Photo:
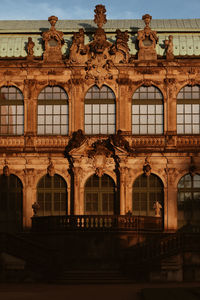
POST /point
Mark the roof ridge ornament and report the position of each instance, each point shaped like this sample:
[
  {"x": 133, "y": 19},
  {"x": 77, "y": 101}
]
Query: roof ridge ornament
[
  {"x": 53, "y": 42},
  {"x": 147, "y": 39},
  {"x": 53, "y": 20},
  {"x": 100, "y": 16}
]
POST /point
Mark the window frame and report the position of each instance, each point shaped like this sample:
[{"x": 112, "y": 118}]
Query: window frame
[
  {"x": 145, "y": 116},
  {"x": 147, "y": 190},
  {"x": 52, "y": 190},
  {"x": 100, "y": 191},
  {"x": 188, "y": 109},
  {"x": 100, "y": 111},
  {"x": 49, "y": 122},
  {"x": 14, "y": 111}
]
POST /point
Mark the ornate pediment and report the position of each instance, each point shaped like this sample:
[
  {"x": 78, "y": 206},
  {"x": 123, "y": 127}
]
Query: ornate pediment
[
  {"x": 147, "y": 40},
  {"x": 54, "y": 41}
]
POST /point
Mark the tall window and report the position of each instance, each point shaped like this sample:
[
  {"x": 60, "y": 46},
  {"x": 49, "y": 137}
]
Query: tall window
[
  {"x": 53, "y": 114},
  {"x": 11, "y": 201},
  {"x": 147, "y": 111},
  {"x": 100, "y": 111},
  {"x": 188, "y": 110},
  {"x": 189, "y": 200},
  {"x": 100, "y": 195},
  {"x": 146, "y": 191},
  {"x": 52, "y": 196},
  {"x": 11, "y": 111}
]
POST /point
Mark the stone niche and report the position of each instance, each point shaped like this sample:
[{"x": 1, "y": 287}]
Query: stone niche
[
  {"x": 54, "y": 41},
  {"x": 147, "y": 40}
]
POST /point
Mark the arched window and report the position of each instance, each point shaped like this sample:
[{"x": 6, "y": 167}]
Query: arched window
[
  {"x": 146, "y": 191},
  {"x": 11, "y": 111},
  {"x": 11, "y": 202},
  {"x": 100, "y": 195},
  {"x": 52, "y": 196},
  {"x": 100, "y": 111},
  {"x": 188, "y": 110},
  {"x": 189, "y": 200},
  {"x": 147, "y": 111},
  {"x": 53, "y": 114}
]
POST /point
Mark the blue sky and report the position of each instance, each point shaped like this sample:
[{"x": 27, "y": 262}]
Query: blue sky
[{"x": 83, "y": 9}]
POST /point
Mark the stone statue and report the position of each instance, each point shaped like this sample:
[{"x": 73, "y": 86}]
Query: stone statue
[
  {"x": 169, "y": 48},
  {"x": 30, "y": 46},
  {"x": 147, "y": 167},
  {"x": 6, "y": 171},
  {"x": 157, "y": 207},
  {"x": 35, "y": 208}
]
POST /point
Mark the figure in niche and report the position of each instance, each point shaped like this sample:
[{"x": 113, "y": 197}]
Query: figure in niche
[
  {"x": 30, "y": 46},
  {"x": 169, "y": 48}
]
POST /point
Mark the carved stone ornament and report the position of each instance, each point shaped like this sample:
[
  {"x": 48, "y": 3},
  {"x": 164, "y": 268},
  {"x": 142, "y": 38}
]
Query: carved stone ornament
[
  {"x": 29, "y": 48},
  {"x": 147, "y": 167},
  {"x": 147, "y": 40},
  {"x": 99, "y": 55},
  {"x": 35, "y": 208},
  {"x": 51, "y": 169},
  {"x": 6, "y": 171},
  {"x": 192, "y": 168},
  {"x": 53, "y": 42},
  {"x": 99, "y": 153},
  {"x": 119, "y": 141},
  {"x": 157, "y": 207},
  {"x": 169, "y": 48},
  {"x": 76, "y": 141}
]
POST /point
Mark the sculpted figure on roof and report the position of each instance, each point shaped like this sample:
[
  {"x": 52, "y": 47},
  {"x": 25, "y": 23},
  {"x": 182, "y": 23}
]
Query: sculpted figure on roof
[
  {"x": 78, "y": 49},
  {"x": 30, "y": 46},
  {"x": 147, "y": 39},
  {"x": 120, "y": 49},
  {"x": 169, "y": 48},
  {"x": 53, "y": 42}
]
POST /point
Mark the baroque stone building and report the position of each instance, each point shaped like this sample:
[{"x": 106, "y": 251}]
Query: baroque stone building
[{"x": 100, "y": 125}]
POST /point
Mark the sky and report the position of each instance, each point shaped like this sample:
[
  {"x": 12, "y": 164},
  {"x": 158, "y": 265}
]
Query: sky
[{"x": 84, "y": 9}]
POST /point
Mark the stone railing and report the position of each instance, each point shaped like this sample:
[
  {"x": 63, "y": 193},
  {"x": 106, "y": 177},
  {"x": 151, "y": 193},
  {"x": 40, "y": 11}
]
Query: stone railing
[
  {"x": 164, "y": 247},
  {"x": 96, "y": 223},
  {"x": 35, "y": 255},
  {"x": 160, "y": 142}
]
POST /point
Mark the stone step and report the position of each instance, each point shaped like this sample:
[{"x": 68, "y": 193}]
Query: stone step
[{"x": 83, "y": 277}]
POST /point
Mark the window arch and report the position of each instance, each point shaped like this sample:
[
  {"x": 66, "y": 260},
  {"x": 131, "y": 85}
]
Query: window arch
[
  {"x": 52, "y": 196},
  {"x": 53, "y": 111},
  {"x": 147, "y": 111},
  {"x": 146, "y": 191},
  {"x": 11, "y": 203},
  {"x": 188, "y": 110},
  {"x": 189, "y": 200},
  {"x": 11, "y": 111},
  {"x": 100, "y": 111},
  {"x": 100, "y": 195}
]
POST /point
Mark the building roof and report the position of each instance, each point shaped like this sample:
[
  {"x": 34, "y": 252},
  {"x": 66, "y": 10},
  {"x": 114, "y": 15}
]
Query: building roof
[
  {"x": 70, "y": 25},
  {"x": 14, "y": 34}
]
